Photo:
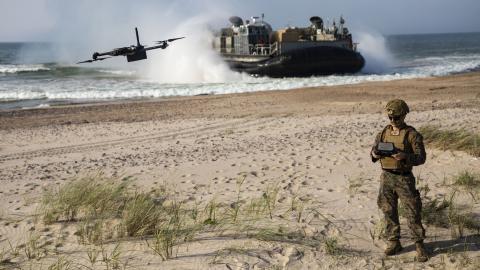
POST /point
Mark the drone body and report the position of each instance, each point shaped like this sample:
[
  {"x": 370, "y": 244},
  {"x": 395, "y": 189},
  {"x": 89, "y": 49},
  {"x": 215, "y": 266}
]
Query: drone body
[{"x": 133, "y": 53}]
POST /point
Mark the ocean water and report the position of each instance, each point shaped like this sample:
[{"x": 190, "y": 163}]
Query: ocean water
[{"x": 34, "y": 75}]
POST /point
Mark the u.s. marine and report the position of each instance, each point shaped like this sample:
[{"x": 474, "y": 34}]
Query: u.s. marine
[{"x": 397, "y": 180}]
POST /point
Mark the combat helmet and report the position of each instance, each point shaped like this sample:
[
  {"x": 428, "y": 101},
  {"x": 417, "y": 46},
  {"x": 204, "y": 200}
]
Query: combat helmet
[{"x": 397, "y": 107}]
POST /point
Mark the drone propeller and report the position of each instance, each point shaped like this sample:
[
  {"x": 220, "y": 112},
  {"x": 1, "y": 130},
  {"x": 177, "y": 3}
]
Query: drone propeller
[
  {"x": 168, "y": 40},
  {"x": 93, "y": 60}
]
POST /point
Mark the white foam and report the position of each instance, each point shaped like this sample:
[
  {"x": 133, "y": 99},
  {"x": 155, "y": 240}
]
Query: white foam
[
  {"x": 119, "y": 72},
  {"x": 115, "y": 89},
  {"x": 39, "y": 106},
  {"x": 441, "y": 66},
  {"x": 22, "y": 68},
  {"x": 91, "y": 89},
  {"x": 22, "y": 93}
]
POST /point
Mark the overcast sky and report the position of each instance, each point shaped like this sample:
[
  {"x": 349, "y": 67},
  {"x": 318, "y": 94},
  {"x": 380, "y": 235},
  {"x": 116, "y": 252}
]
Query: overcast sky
[{"x": 46, "y": 20}]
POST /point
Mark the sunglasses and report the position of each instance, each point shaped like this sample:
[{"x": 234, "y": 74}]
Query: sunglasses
[{"x": 394, "y": 118}]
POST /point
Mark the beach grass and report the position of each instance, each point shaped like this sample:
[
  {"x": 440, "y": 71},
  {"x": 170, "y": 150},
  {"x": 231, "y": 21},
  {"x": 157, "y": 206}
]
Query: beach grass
[
  {"x": 175, "y": 226},
  {"x": 434, "y": 212},
  {"x": 458, "y": 140},
  {"x": 331, "y": 246},
  {"x": 112, "y": 211},
  {"x": 61, "y": 263},
  {"x": 467, "y": 180},
  {"x": 454, "y": 211},
  {"x": 93, "y": 255},
  {"x": 141, "y": 215},
  {"x": 93, "y": 196},
  {"x": 32, "y": 248}
]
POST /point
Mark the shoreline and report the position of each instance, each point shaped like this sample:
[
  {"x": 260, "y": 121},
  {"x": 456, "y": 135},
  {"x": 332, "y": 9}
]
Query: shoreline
[
  {"x": 424, "y": 94},
  {"x": 109, "y": 101}
]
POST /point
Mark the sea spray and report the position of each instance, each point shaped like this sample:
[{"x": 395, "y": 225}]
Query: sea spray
[
  {"x": 373, "y": 47},
  {"x": 191, "y": 60}
]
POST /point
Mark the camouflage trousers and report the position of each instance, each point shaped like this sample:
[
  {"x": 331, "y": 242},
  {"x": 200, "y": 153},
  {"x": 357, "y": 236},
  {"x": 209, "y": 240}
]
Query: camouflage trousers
[{"x": 392, "y": 188}]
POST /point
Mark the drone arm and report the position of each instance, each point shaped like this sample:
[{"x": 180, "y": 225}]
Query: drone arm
[
  {"x": 169, "y": 40},
  {"x": 162, "y": 46},
  {"x": 93, "y": 60},
  {"x": 97, "y": 54}
]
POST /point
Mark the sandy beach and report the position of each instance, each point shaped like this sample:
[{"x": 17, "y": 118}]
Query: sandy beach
[{"x": 313, "y": 144}]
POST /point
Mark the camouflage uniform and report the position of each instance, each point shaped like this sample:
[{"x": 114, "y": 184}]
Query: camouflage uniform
[{"x": 400, "y": 184}]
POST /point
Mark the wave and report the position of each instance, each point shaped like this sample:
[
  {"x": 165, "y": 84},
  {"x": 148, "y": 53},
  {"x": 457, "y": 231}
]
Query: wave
[
  {"x": 442, "y": 66},
  {"x": 22, "y": 68},
  {"x": 118, "y": 72},
  {"x": 55, "y": 70},
  {"x": 101, "y": 84},
  {"x": 25, "y": 94},
  {"x": 115, "y": 89}
]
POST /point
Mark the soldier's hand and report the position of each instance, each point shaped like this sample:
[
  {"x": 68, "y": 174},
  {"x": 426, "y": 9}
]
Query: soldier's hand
[
  {"x": 400, "y": 156},
  {"x": 375, "y": 155}
]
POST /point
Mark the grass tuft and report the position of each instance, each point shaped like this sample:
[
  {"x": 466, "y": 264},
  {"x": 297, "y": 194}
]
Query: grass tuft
[
  {"x": 32, "y": 248},
  {"x": 270, "y": 198},
  {"x": 281, "y": 234},
  {"x": 111, "y": 258},
  {"x": 61, "y": 264},
  {"x": 211, "y": 210},
  {"x": 449, "y": 212},
  {"x": 174, "y": 228},
  {"x": 461, "y": 140},
  {"x": 434, "y": 212},
  {"x": 89, "y": 197},
  {"x": 461, "y": 218},
  {"x": 331, "y": 246},
  {"x": 91, "y": 231},
  {"x": 467, "y": 180},
  {"x": 141, "y": 215}
]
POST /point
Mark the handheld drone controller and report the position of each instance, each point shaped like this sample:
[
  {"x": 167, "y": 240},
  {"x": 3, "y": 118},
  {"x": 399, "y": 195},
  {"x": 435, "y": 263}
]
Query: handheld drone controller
[{"x": 385, "y": 149}]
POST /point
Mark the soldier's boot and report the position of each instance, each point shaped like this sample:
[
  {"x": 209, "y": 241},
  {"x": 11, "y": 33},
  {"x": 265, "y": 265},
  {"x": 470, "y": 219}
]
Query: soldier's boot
[
  {"x": 393, "y": 247},
  {"x": 422, "y": 255}
]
